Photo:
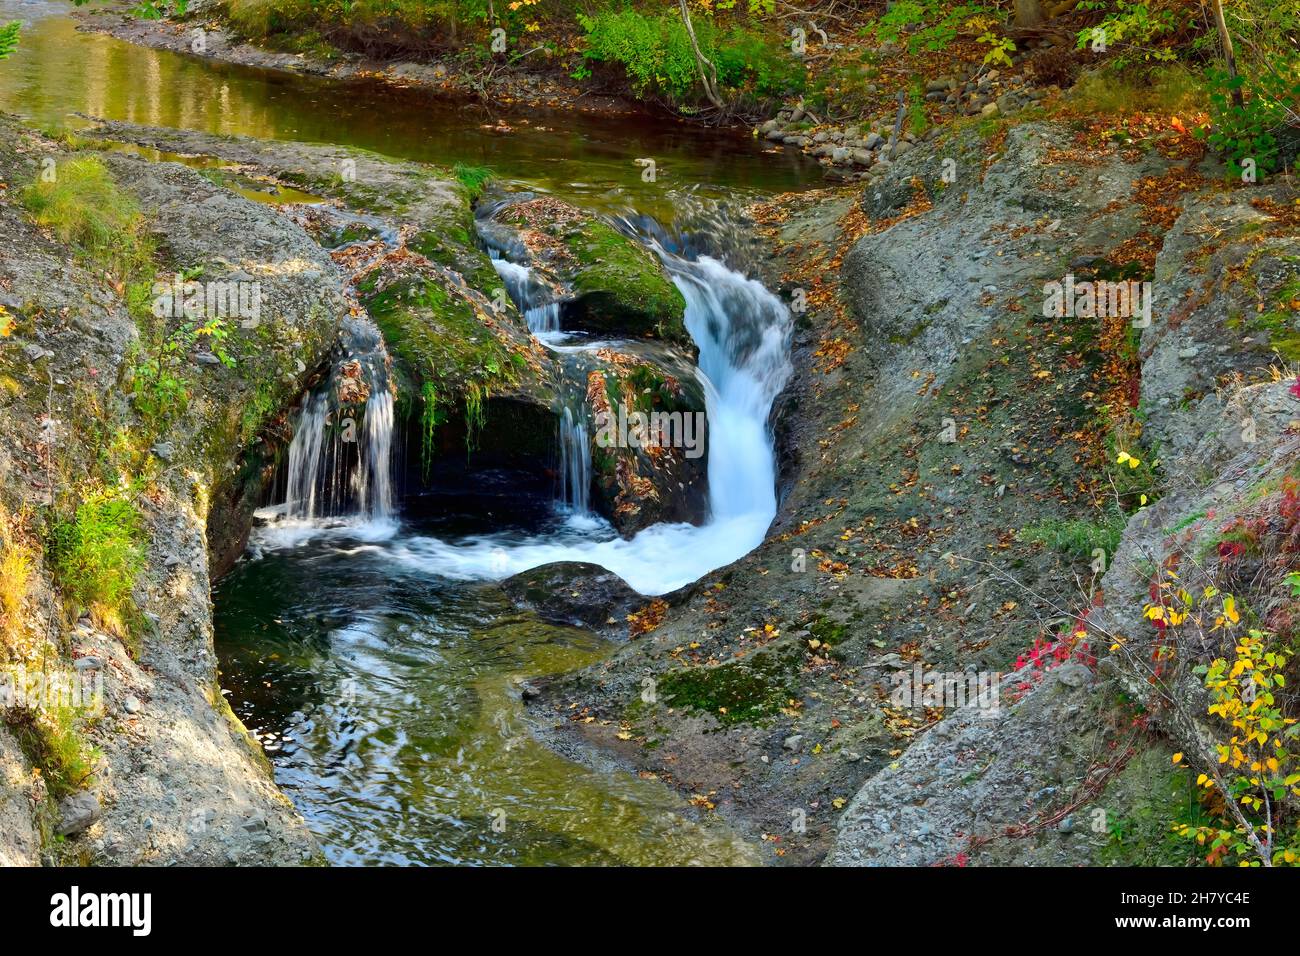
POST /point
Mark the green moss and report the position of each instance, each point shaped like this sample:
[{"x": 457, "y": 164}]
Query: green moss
[
  {"x": 742, "y": 691},
  {"x": 445, "y": 353},
  {"x": 453, "y": 246},
  {"x": 1139, "y": 808},
  {"x": 1281, "y": 324},
  {"x": 623, "y": 286}
]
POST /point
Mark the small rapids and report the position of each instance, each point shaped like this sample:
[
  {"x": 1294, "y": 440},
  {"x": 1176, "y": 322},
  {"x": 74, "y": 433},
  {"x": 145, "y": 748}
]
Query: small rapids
[{"x": 742, "y": 332}]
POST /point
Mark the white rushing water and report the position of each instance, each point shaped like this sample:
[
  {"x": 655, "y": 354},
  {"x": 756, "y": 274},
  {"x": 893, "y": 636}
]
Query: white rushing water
[
  {"x": 742, "y": 331},
  {"x": 575, "y": 463},
  {"x": 339, "y": 472},
  {"x": 543, "y": 318}
]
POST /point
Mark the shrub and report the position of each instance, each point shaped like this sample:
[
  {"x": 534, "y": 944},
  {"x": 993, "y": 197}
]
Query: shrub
[
  {"x": 655, "y": 52},
  {"x": 97, "y": 554},
  {"x": 51, "y": 739}
]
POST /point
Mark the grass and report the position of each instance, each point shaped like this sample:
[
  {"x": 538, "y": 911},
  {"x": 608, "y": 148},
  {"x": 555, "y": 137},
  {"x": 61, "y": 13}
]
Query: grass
[
  {"x": 97, "y": 553},
  {"x": 1170, "y": 89},
  {"x": 17, "y": 560},
  {"x": 1078, "y": 537},
  {"x": 52, "y": 740},
  {"x": 473, "y": 178},
  {"x": 84, "y": 207}
]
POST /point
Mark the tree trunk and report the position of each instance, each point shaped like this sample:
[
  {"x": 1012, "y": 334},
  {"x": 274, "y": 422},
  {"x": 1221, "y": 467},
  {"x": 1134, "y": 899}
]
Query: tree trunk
[
  {"x": 1029, "y": 13},
  {"x": 1229, "y": 55},
  {"x": 708, "y": 73}
]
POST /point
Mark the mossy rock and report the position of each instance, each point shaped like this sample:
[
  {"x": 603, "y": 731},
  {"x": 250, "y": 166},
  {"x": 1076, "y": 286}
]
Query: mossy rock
[
  {"x": 745, "y": 691},
  {"x": 621, "y": 288},
  {"x": 617, "y": 286}
]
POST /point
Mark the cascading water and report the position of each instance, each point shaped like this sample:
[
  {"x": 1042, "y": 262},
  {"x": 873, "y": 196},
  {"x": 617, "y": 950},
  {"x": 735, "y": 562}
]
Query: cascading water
[
  {"x": 339, "y": 468},
  {"x": 575, "y": 462},
  {"x": 541, "y": 314},
  {"x": 742, "y": 331}
]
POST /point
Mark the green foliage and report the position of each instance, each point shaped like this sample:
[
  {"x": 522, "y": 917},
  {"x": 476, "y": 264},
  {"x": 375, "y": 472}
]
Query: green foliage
[
  {"x": 96, "y": 554},
  {"x": 9, "y": 38},
  {"x": 655, "y": 52},
  {"x": 932, "y": 24},
  {"x": 473, "y": 178},
  {"x": 1078, "y": 537},
  {"x": 52, "y": 740},
  {"x": 1248, "y": 130},
  {"x": 159, "y": 389},
  {"x": 1000, "y": 48},
  {"x": 1135, "y": 30},
  {"x": 85, "y": 208}
]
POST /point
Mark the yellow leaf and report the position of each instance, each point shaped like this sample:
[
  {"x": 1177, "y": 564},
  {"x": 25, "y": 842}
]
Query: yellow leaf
[{"x": 1178, "y": 756}]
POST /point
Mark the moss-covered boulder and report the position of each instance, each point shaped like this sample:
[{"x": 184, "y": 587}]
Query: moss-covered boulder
[
  {"x": 467, "y": 374},
  {"x": 662, "y": 476},
  {"x": 617, "y": 286}
]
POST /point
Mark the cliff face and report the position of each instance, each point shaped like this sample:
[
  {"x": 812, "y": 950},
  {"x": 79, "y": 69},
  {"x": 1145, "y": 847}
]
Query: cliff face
[{"x": 949, "y": 486}]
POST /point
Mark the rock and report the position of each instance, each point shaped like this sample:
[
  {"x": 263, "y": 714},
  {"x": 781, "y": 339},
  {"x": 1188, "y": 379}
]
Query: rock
[
  {"x": 255, "y": 823},
  {"x": 989, "y": 109},
  {"x": 612, "y": 284},
  {"x": 873, "y": 141},
  {"x": 793, "y": 743},
  {"x": 132, "y": 705},
  {"x": 1073, "y": 674},
  {"x": 1008, "y": 103},
  {"x": 77, "y": 812},
  {"x": 576, "y": 594},
  {"x": 163, "y": 450}
]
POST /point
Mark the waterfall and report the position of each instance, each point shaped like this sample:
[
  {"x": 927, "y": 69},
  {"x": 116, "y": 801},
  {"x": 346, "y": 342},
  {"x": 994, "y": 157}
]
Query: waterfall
[
  {"x": 340, "y": 459},
  {"x": 575, "y": 462},
  {"x": 743, "y": 332},
  {"x": 541, "y": 311}
]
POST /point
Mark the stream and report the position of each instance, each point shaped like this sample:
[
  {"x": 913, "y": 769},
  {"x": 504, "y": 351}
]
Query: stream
[{"x": 366, "y": 647}]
